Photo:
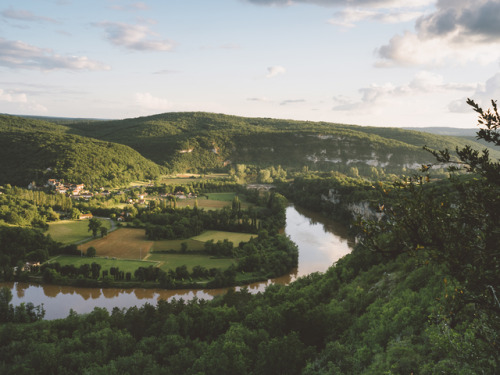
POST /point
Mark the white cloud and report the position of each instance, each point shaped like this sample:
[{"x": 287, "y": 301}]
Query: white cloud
[
  {"x": 148, "y": 101},
  {"x": 25, "y": 15},
  {"x": 350, "y": 16},
  {"x": 292, "y": 101},
  {"x": 16, "y": 54},
  {"x": 483, "y": 95},
  {"x": 274, "y": 71},
  {"x": 17, "y": 102},
  {"x": 136, "y": 37},
  {"x": 422, "y": 84},
  {"x": 13, "y": 97},
  {"x": 352, "y": 3},
  {"x": 457, "y": 32}
]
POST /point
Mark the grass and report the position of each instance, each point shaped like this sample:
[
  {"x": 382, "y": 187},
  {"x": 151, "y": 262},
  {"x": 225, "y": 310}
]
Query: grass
[
  {"x": 106, "y": 264},
  {"x": 167, "y": 245},
  {"x": 71, "y": 231},
  {"x": 216, "y": 235},
  {"x": 172, "y": 261},
  {"x": 124, "y": 243},
  {"x": 225, "y": 197}
]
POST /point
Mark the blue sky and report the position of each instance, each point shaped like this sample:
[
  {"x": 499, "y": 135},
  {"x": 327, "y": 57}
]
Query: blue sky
[{"x": 365, "y": 62}]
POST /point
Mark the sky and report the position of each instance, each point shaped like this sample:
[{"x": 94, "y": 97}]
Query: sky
[{"x": 404, "y": 63}]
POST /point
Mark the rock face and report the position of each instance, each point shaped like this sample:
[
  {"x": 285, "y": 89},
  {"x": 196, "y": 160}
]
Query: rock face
[{"x": 355, "y": 210}]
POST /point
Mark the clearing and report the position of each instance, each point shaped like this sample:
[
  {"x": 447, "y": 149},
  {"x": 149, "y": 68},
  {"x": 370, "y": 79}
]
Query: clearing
[{"x": 125, "y": 243}]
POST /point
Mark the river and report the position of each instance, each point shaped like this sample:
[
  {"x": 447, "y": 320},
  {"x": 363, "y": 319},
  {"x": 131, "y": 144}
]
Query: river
[{"x": 321, "y": 243}]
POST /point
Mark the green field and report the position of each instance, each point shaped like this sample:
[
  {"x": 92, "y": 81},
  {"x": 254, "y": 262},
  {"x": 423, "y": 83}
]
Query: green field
[
  {"x": 172, "y": 261},
  {"x": 197, "y": 243},
  {"x": 124, "y": 264},
  {"x": 225, "y": 197},
  {"x": 71, "y": 231},
  {"x": 168, "y": 245},
  {"x": 216, "y": 235}
]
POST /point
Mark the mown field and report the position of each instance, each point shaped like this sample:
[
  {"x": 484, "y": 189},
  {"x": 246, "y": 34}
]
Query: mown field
[
  {"x": 175, "y": 245},
  {"x": 215, "y": 235},
  {"x": 71, "y": 231},
  {"x": 172, "y": 261},
  {"x": 126, "y": 265},
  {"x": 124, "y": 243}
]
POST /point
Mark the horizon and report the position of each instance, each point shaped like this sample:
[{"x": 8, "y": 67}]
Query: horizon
[{"x": 390, "y": 63}]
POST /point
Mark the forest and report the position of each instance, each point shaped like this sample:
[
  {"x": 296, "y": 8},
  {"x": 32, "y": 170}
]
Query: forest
[
  {"x": 113, "y": 153},
  {"x": 418, "y": 294}
]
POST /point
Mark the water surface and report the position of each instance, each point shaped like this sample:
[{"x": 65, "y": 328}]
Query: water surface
[{"x": 321, "y": 243}]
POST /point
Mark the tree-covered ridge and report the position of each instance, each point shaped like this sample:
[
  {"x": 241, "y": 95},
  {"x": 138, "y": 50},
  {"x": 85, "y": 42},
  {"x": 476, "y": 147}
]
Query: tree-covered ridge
[
  {"x": 196, "y": 140},
  {"x": 38, "y": 150}
]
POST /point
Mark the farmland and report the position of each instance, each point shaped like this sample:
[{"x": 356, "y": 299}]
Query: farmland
[
  {"x": 72, "y": 231},
  {"x": 124, "y": 243}
]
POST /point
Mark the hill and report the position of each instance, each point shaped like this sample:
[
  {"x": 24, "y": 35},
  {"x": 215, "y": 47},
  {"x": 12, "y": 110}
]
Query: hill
[
  {"x": 114, "y": 152},
  {"x": 37, "y": 150},
  {"x": 196, "y": 140}
]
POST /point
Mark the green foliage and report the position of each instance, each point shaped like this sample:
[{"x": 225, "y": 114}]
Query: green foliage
[{"x": 42, "y": 151}]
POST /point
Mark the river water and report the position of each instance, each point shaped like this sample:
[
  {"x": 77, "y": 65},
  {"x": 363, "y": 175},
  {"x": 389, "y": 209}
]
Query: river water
[{"x": 321, "y": 243}]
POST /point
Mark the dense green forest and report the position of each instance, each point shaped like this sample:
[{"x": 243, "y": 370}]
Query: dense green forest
[{"x": 38, "y": 150}]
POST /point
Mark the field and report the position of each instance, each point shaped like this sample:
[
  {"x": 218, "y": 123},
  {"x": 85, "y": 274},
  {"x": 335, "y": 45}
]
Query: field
[
  {"x": 124, "y": 243},
  {"x": 172, "y": 261},
  {"x": 216, "y": 235},
  {"x": 106, "y": 264},
  {"x": 225, "y": 197},
  {"x": 167, "y": 245},
  {"x": 72, "y": 231},
  {"x": 208, "y": 204}
]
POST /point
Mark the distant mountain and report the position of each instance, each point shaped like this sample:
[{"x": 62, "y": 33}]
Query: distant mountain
[
  {"x": 456, "y": 132},
  {"x": 113, "y": 152}
]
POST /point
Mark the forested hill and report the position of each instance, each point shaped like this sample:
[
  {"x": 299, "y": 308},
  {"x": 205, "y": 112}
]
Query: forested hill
[
  {"x": 37, "y": 150},
  {"x": 114, "y": 152},
  {"x": 196, "y": 140}
]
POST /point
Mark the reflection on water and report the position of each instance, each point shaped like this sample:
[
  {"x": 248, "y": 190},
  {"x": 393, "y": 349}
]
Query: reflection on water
[{"x": 321, "y": 243}]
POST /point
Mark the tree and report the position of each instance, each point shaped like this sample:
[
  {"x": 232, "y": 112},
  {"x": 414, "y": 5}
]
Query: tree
[
  {"x": 94, "y": 225},
  {"x": 456, "y": 227},
  {"x": 103, "y": 230},
  {"x": 91, "y": 252}
]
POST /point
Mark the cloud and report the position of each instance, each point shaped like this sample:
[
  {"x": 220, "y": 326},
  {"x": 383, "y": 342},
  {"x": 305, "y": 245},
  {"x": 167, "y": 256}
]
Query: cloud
[
  {"x": 458, "y": 31},
  {"x": 274, "y": 71},
  {"x": 25, "y": 15},
  {"x": 351, "y": 3},
  {"x": 349, "y": 17},
  {"x": 16, "y": 54},
  {"x": 483, "y": 95},
  {"x": 166, "y": 71},
  {"x": 135, "y": 37},
  {"x": 18, "y": 102},
  {"x": 12, "y": 97},
  {"x": 148, "y": 101},
  {"x": 292, "y": 101},
  {"x": 260, "y": 99},
  {"x": 422, "y": 84},
  {"x": 131, "y": 7}
]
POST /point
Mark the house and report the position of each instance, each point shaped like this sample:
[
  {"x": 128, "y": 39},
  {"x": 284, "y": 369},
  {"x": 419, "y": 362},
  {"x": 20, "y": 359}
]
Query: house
[{"x": 85, "y": 216}]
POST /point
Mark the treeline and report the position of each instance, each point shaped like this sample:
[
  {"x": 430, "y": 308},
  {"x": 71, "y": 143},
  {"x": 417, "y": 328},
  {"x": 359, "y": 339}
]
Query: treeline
[
  {"x": 24, "y": 207},
  {"x": 179, "y": 223},
  {"x": 199, "y": 142}
]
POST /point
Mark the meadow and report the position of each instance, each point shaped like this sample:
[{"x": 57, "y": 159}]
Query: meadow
[
  {"x": 72, "y": 231},
  {"x": 172, "y": 261},
  {"x": 125, "y": 265},
  {"x": 123, "y": 243}
]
